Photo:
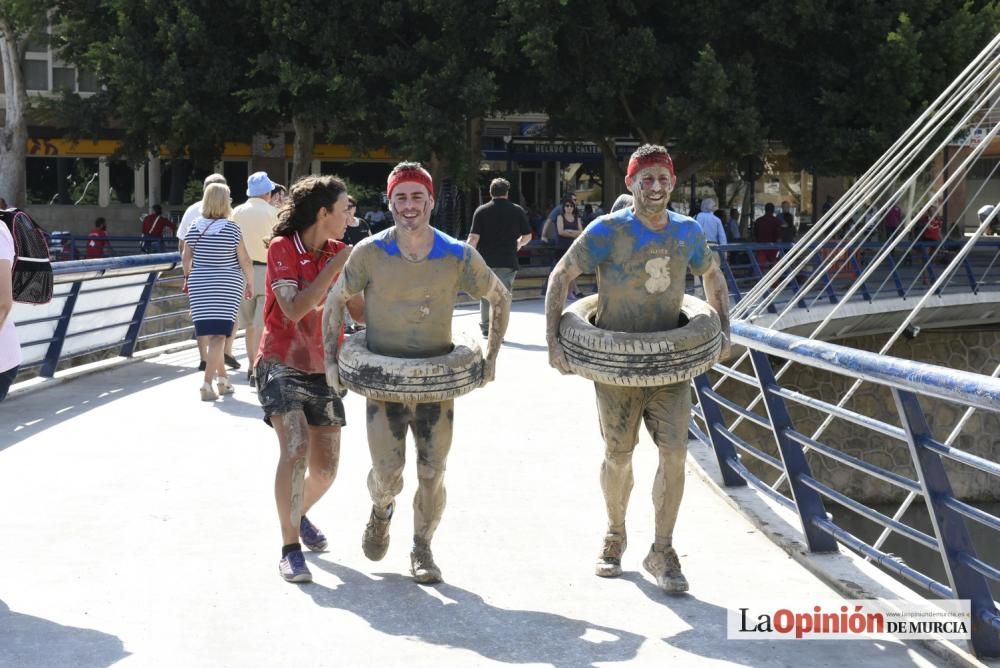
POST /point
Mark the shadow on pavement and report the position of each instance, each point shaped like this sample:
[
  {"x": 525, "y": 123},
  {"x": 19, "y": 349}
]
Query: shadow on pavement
[
  {"x": 394, "y": 604},
  {"x": 707, "y": 635},
  {"x": 27, "y": 641},
  {"x": 25, "y": 415}
]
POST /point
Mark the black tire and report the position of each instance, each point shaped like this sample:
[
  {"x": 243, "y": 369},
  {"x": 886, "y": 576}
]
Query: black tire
[
  {"x": 411, "y": 380},
  {"x": 641, "y": 359}
]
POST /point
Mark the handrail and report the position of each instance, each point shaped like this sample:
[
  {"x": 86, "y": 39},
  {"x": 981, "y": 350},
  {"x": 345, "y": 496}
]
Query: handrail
[
  {"x": 967, "y": 574},
  {"x": 101, "y": 304}
]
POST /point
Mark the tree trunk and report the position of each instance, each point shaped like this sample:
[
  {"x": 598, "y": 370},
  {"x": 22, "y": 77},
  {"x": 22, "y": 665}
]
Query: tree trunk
[
  {"x": 614, "y": 175},
  {"x": 302, "y": 146},
  {"x": 14, "y": 134}
]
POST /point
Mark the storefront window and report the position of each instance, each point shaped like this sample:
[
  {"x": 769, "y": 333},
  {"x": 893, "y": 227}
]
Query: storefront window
[{"x": 121, "y": 182}]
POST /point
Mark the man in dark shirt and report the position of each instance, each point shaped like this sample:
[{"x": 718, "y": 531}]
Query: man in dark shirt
[
  {"x": 767, "y": 230},
  {"x": 499, "y": 229}
]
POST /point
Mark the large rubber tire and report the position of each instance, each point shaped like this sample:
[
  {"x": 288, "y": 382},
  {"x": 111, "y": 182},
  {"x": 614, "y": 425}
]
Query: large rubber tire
[
  {"x": 641, "y": 359},
  {"x": 411, "y": 380}
]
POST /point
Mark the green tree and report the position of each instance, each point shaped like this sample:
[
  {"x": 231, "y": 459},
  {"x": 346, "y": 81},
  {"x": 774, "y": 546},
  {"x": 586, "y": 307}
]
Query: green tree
[
  {"x": 170, "y": 72},
  {"x": 314, "y": 80},
  {"x": 20, "y": 21}
]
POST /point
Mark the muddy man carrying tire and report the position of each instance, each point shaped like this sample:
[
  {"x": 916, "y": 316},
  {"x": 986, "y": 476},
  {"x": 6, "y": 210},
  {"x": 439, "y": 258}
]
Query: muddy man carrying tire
[
  {"x": 639, "y": 363},
  {"x": 410, "y": 275}
]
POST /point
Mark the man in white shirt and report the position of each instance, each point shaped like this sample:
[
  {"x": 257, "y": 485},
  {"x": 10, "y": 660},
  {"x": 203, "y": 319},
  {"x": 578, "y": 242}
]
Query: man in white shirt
[
  {"x": 190, "y": 215},
  {"x": 10, "y": 348},
  {"x": 256, "y": 218}
]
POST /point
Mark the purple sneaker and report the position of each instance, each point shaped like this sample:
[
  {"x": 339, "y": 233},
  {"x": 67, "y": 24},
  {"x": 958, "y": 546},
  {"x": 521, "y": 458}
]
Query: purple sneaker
[
  {"x": 311, "y": 537},
  {"x": 293, "y": 568}
]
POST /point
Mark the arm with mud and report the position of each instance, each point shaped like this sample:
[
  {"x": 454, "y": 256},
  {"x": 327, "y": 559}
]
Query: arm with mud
[
  {"x": 717, "y": 295},
  {"x": 333, "y": 319},
  {"x": 499, "y": 298},
  {"x": 565, "y": 272}
]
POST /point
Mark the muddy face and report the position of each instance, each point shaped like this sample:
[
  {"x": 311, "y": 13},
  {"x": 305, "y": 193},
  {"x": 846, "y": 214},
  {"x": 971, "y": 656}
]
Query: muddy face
[
  {"x": 411, "y": 206},
  {"x": 651, "y": 188}
]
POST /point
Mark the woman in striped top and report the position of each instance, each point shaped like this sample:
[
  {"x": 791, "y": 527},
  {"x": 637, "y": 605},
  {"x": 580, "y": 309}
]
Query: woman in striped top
[{"x": 218, "y": 271}]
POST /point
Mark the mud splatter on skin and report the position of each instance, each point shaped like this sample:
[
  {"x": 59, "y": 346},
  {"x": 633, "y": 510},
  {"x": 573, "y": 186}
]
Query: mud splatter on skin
[
  {"x": 398, "y": 417},
  {"x": 408, "y": 305},
  {"x": 425, "y": 419},
  {"x": 371, "y": 410},
  {"x": 298, "y": 490},
  {"x": 451, "y": 415}
]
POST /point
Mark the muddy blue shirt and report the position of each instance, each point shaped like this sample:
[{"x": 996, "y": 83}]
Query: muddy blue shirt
[
  {"x": 408, "y": 305},
  {"x": 640, "y": 272}
]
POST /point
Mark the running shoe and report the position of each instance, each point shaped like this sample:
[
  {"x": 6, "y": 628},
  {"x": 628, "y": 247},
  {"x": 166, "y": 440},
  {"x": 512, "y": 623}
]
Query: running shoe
[
  {"x": 293, "y": 568},
  {"x": 311, "y": 537}
]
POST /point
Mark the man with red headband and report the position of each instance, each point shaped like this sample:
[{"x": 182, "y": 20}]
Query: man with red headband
[
  {"x": 411, "y": 275},
  {"x": 640, "y": 254}
]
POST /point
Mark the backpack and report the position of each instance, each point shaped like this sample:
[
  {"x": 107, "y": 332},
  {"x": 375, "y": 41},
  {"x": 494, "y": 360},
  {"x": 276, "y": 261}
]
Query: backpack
[{"x": 32, "y": 271}]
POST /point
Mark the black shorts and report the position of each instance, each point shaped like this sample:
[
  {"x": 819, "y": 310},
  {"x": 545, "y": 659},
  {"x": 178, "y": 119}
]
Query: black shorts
[{"x": 282, "y": 389}]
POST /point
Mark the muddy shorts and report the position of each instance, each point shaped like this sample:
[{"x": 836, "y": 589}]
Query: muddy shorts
[
  {"x": 666, "y": 410},
  {"x": 282, "y": 389}
]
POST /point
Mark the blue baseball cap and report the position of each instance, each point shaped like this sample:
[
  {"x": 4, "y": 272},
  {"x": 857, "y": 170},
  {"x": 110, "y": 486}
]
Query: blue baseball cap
[{"x": 259, "y": 184}]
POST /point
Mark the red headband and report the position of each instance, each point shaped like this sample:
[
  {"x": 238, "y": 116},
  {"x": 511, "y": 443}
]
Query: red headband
[
  {"x": 415, "y": 175},
  {"x": 636, "y": 165}
]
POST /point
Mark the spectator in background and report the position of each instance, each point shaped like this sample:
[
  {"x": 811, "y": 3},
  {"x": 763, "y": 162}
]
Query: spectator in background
[
  {"x": 787, "y": 224},
  {"x": 153, "y": 226},
  {"x": 984, "y": 213},
  {"x": 97, "y": 240},
  {"x": 715, "y": 233},
  {"x": 357, "y": 230},
  {"x": 558, "y": 208},
  {"x": 378, "y": 219},
  {"x": 733, "y": 225},
  {"x": 711, "y": 225},
  {"x": 279, "y": 195},
  {"x": 191, "y": 214},
  {"x": 219, "y": 276},
  {"x": 568, "y": 227},
  {"x": 3, "y": 203},
  {"x": 766, "y": 230},
  {"x": 588, "y": 213},
  {"x": 499, "y": 229},
  {"x": 827, "y": 205},
  {"x": 10, "y": 348},
  {"x": 893, "y": 217},
  {"x": 256, "y": 219}
]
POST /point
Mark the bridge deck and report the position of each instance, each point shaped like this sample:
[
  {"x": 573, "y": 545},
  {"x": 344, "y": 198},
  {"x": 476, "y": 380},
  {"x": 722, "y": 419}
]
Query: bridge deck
[{"x": 139, "y": 528}]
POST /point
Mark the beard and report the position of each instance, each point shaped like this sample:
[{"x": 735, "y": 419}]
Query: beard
[{"x": 645, "y": 207}]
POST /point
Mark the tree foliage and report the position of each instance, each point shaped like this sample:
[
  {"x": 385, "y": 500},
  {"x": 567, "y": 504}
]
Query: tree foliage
[{"x": 20, "y": 21}]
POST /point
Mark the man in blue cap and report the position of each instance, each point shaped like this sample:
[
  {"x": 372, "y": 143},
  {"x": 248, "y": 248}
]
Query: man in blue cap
[{"x": 256, "y": 219}]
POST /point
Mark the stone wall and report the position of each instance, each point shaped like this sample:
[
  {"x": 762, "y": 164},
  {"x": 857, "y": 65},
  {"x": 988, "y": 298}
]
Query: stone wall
[{"x": 967, "y": 350}]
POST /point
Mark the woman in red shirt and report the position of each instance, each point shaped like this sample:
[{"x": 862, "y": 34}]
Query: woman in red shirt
[{"x": 303, "y": 260}]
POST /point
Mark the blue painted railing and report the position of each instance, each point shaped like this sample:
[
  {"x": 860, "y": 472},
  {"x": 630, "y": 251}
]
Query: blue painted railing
[
  {"x": 967, "y": 573},
  {"x": 65, "y": 246},
  {"x": 104, "y": 305}
]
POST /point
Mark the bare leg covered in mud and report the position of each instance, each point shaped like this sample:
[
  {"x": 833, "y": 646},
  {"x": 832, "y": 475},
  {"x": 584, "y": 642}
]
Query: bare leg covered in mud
[{"x": 302, "y": 449}]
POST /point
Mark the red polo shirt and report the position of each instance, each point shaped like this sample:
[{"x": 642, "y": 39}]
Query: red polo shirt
[{"x": 298, "y": 345}]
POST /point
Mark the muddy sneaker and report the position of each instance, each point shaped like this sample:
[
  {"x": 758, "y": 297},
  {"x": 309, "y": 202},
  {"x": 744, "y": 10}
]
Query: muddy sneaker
[
  {"x": 311, "y": 537},
  {"x": 375, "y": 541},
  {"x": 293, "y": 568},
  {"x": 609, "y": 563},
  {"x": 666, "y": 568},
  {"x": 422, "y": 566}
]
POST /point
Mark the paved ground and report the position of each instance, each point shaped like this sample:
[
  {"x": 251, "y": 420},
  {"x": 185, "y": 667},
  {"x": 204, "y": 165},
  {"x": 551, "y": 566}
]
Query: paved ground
[{"x": 139, "y": 530}]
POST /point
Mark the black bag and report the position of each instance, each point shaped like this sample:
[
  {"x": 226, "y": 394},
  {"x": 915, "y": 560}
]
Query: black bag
[{"x": 32, "y": 274}]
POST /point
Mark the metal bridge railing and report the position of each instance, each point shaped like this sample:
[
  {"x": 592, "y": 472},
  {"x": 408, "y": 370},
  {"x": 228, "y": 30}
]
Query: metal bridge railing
[
  {"x": 65, "y": 246},
  {"x": 968, "y": 575},
  {"x": 103, "y": 305},
  {"x": 899, "y": 275}
]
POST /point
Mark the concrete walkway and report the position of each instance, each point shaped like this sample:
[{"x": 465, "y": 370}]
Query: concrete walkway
[{"x": 139, "y": 529}]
